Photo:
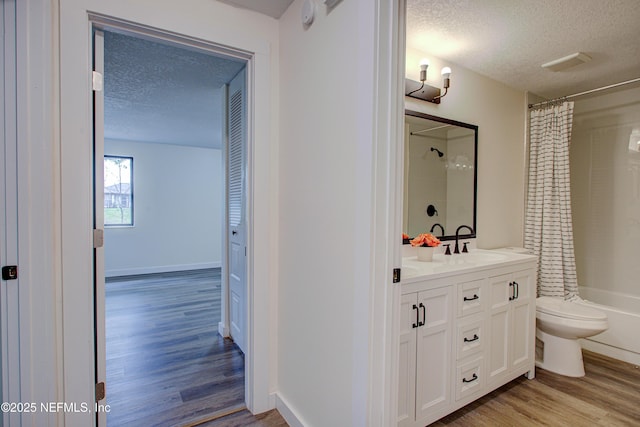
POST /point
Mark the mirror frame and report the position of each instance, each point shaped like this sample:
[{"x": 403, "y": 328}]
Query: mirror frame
[{"x": 475, "y": 169}]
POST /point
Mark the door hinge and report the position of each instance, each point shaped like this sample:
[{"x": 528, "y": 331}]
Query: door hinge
[
  {"x": 100, "y": 391},
  {"x": 98, "y": 238},
  {"x": 97, "y": 81},
  {"x": 396, "y": 275}
]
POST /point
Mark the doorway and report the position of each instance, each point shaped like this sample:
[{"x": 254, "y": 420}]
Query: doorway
[{"x": 160, "y": 269}]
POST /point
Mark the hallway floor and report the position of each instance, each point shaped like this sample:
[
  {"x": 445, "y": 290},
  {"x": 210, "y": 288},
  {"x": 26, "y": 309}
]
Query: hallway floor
[{"x": 166, "y": 363}]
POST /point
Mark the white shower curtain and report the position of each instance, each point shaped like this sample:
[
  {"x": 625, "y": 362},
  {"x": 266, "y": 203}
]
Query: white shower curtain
[{"x": 548, "y": 228}]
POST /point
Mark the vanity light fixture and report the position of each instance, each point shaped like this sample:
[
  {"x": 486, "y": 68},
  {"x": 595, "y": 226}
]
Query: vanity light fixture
[{"x": 423, "y": 91}]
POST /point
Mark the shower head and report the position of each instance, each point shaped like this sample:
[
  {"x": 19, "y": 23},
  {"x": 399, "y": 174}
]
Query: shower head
[{"x": 440, "y": 153}]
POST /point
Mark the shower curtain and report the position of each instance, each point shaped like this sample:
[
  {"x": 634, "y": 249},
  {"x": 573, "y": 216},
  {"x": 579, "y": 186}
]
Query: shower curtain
[{"x": 548, "y": 228}]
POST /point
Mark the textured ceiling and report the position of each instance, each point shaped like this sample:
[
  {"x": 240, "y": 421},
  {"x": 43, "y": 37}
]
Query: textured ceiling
[
  {"x": 509, "y": 40},
  {"x": 163, "y": 93}
]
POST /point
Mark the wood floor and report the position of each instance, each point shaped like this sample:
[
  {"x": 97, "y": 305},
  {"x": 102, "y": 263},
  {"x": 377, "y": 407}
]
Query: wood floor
[
  {"x": 608, "y": 395},
  {"x": 245, "y": 418},
  {"x": 166, "y": 363},
  {"x": 167, "y": 366}
]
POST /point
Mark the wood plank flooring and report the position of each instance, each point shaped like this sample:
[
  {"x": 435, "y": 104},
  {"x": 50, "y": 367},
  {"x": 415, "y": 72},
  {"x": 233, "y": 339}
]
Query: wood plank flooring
[
  {"x": 167, "y": 366},
  {"x": 166, "y": 363},
  {"x": 245, "y": 418},
  {"x": 608, "y": 395}
]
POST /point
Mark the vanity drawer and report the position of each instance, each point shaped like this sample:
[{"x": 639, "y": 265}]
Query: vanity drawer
[
  {"x": 471, "y": 297},
  {"x": 470, "y": 337},
  {"x": 469, "y": 378}
]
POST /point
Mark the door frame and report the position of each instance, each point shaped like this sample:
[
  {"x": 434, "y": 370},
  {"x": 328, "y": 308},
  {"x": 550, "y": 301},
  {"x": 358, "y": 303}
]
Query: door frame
[
  {"x": 100, "y": 24},
  {"x": 76, "y": 24}
]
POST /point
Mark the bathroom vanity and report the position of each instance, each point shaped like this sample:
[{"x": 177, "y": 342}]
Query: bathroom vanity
[{"x": 467, "y": 326}]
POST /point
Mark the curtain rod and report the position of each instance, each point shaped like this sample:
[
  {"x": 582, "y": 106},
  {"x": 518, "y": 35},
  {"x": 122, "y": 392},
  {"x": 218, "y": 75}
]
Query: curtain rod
[
  {"x": 429, "y": 130},
  {"x": 584, "y": 93}
]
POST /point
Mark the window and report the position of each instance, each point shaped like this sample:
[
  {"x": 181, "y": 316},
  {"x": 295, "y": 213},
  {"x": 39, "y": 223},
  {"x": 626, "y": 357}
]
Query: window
[{"x": 118, "y": 190}]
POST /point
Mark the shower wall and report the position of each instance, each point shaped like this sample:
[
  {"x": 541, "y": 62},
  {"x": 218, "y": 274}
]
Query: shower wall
[{"x": 605, "y": 191}]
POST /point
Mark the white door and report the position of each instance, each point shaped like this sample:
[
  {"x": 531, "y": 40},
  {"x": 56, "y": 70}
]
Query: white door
[
  {"x": 9, "y": 289},
  {"x": 98, "y": 225},
  {"x": 434, "y": 351},
  {"x": 499, "y": 320},
  {"x": 236, "y": 208},
  {"x": 407, "y": 360},
  {"x": 522, "y": 342}
]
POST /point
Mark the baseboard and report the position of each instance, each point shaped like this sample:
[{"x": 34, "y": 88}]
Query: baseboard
[
  {"x": 160, "y": 269},
  {"x": 610, "y": 351},
  {"x": 288, "y": 413},
  {"x": 224, "y": 332}
]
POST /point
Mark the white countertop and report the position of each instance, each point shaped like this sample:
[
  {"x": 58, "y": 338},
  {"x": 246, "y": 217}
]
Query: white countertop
[{"x": 445, "y": 265}]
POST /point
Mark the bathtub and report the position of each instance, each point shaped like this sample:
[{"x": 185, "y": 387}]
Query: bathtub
[{"x": 621, "y": 340}]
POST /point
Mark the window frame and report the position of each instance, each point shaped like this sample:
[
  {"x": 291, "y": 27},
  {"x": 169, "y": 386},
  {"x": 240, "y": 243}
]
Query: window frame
[{"x": 131, "y": 193}]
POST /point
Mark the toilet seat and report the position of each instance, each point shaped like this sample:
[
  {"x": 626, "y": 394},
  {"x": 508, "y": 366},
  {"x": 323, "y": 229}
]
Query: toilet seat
[{"x": 567, "y": 309}]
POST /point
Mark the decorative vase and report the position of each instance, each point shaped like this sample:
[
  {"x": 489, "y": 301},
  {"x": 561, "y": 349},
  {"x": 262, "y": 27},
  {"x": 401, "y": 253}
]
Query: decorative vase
[{"x": 425, "y": 253}]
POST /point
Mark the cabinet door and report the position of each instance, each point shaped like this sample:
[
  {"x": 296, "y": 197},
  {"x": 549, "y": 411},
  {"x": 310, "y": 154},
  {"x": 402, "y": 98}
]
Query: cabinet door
[
  {"x": 523, "y": 320},
  {"x": 407, "y": 360},
  {"x": 434, "y": 348},
  {"x": 499, "y": 319}
]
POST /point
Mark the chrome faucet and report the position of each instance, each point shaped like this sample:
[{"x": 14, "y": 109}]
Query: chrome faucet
[
  {"x": 437, "y": 225},
  {"x": 456, "y": 249}
]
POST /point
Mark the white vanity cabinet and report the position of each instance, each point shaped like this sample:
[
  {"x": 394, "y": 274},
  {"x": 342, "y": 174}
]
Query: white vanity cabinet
[
  {"x": 425, "y": 363},
  {"x": 465, "y": 330},
  {"x": 512, "y": 324}
]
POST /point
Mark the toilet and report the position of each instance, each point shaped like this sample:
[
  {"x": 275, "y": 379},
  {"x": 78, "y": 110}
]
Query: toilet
[{"x": 559, "y": 325}]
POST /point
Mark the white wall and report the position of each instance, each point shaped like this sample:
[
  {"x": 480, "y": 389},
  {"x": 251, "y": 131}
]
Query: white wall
[
  {"x": 177, "y": 210},
  {"x": 426, "y": 184},
  {"x": 459, "y": 179},
  {"x": 325, "y": 212},
  {"x": 605, "y": 191},
  {"x": 200, "y": 20},
  {"x": 499, "y": 112}
]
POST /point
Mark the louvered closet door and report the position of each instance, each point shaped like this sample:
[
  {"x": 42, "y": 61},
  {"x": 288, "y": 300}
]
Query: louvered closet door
[{"x": 236, "y": 195}]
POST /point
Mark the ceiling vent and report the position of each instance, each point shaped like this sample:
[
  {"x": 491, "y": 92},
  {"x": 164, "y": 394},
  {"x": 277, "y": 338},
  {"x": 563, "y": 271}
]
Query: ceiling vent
[{"x": 567, "y": 62}]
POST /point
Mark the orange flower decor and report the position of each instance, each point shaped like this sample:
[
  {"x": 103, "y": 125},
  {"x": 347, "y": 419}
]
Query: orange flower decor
[
  {"x": 405, "y": 236},
  {"x": 425, "y": 240}
]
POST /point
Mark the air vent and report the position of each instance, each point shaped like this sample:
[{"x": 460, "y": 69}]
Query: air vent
[{"x": 567, "y": 62}]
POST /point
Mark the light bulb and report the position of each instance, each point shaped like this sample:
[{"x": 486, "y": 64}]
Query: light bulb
[
  {"x": 446, "y": 75},
  {"x": 424, "y": 64}
]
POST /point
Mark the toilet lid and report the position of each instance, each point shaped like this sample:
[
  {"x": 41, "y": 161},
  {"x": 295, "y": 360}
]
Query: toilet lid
[{"x": 570, "y": 310}]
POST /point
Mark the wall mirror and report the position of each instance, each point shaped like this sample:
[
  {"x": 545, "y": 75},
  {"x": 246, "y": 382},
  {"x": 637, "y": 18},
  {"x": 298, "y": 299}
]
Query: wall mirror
[{"x": 440, "y": 174}]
